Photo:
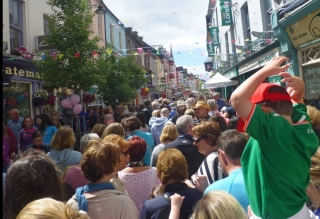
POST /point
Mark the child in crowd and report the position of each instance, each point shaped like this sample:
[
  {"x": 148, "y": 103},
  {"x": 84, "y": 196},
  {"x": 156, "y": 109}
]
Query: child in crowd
[
  {"x": 26, "y": 133},
  {"x": 276, "y": 160},
  {"x": 38, "y": 143}
]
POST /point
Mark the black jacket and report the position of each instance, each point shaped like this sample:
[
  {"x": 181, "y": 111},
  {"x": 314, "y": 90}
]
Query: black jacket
[
  {"x": 147, "y": 111},
  {"x": 159, "y": 208},
  {"x": 93, "y": 119},
  {"x": 194, "y": 159}
]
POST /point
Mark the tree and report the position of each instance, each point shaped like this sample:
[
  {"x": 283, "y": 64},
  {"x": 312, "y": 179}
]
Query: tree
[
  {"x": 70, "y": 33},
  {"x": 123, "y": 78}
]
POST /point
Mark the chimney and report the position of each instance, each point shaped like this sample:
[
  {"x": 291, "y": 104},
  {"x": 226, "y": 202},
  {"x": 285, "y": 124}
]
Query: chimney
[
  {"x": 129, "y": 29},
  {"x": 135, "y": 33}
]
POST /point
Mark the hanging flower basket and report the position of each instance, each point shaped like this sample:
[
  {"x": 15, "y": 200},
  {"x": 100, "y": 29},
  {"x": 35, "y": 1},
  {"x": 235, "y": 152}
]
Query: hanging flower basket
[
  {"x": 88, "y": 98},
  {"x": 40, "y": 98}
]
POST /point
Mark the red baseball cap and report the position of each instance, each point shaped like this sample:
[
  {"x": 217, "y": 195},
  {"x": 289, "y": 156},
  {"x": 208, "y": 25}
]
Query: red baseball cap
[{"x": 262, "y": 94}]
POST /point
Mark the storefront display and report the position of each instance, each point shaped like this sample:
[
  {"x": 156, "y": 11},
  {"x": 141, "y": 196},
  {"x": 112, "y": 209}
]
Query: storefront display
[
  {"x": 17, "y": 96},
  {"x": 311, "y": 77}
]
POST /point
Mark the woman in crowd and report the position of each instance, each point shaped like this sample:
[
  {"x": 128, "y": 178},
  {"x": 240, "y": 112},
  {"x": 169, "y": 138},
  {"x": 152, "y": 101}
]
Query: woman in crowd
[
  {"x": 172, "y": 170},
  {"x": 37, "y": 121},
  {"x": 37, "y": 142},
  {"x": 205, "y": 139},
  {"x": 113, "y": 128},
  {"x": 56, "y": 122},
  {"x": 73, "y": 174},
  {"x": 107, "y": 110},
  {"x": 98, "y": 129},
  {"x": 99, "y": 197},
  {"x": 217, "y": 205},
  {"x": 216, "y": 117},
  {"x": 62, "y": 153},
  {"x": 124, "y": 160},
  {"x": 9, "y": 147},
  {"x": 47, "y": 128},
  {"x": 138, "y": 177},
  {"x": 26, "y": 133},
  {"x": 313, "y": 189},
  {"x": 50, "y": 208},
  {"x": 154, "y": 116},
  {"x": 233, "y": 122},
  {"x": 30, "y": 177},
  {"x": 132, "y": 127},
  {"x": 168, "y": 134},
  {"x": 142, "y": 118},
  {"x": 314, "y": 115}
]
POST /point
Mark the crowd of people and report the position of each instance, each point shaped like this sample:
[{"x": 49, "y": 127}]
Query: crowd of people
[{"x": 254, "y": 156}]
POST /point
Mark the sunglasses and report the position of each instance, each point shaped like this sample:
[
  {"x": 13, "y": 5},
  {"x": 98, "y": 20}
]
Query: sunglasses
[
  {"x": 198, "y": 140},
  {"x": 125, "y": 153}
]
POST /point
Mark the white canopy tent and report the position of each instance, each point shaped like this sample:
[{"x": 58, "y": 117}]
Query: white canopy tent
[{"x": 219, "y": 80}]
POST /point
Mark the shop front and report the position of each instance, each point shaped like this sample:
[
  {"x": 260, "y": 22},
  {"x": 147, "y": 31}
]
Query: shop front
[
  {"x": 20, "y": 81},
  {"x": 232, "y": 75},
  {"x": 299, "y": 36}
]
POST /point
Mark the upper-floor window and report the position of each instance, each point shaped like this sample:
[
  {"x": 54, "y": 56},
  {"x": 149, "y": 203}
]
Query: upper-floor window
[
  {"x": 15, "y": 23},
  {"x": 245, "y": 21},
  {"x": 120, "y": 40},
  {"x": 100, "y": 29},
  {"x": 111, "y": 34},
  {"x": 266, "y": 9},
  {"x": 46, "y": 29}
]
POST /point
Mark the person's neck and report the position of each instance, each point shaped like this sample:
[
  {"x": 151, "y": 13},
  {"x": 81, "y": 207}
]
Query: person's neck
[
  {"x": 211, "y": 149},
  {"x": 106, "y": 178},
  {"x": 170, "y": 182},
  {"x": 232, "y": 166}
]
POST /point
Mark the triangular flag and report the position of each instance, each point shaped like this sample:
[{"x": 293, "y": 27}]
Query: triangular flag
[
  {"x": 77, "y": 55},
  {"x": 42, "y": 57},
  {"x": 60, "y": 56},
  {"x": 93, "y": 53},
  {"x": 179, "y": 53},
  {"x": 55, "y": 56},
  {"x": 109, "y": 51}
]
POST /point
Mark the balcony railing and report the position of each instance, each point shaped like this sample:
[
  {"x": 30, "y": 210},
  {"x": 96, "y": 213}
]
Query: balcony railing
[{"x": 251, "y": 48}]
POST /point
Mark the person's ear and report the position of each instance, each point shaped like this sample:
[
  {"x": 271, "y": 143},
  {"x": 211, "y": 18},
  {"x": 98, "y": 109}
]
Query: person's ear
[{"x": 223, "y": 157}]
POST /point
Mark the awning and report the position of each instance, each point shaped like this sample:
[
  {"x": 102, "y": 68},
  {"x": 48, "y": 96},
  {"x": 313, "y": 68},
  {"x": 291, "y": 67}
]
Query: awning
[{"x": 219, "y": 80}]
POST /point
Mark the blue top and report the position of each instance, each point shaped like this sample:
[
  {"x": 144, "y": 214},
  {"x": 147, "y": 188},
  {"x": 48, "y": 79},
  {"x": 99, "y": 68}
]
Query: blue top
[
  {"x": 16, "y": 127},
  {"x": 234, "y": 185},
  {"x": 221, "y": 104},
  {"x": 66, "y": 157},
  {"x": 48, "y": 134},
  {"x": 150, "y": 144}
]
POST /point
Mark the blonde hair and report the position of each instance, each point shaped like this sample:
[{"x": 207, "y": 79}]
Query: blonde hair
[
  {"x": 63, "y": 138},
  {"x": 116, "y": 139},
  {"x": 154, "y": 113},
  {"x": 50, "y": 209},
  {"x": 315, "y": 170},
  {"x": 56, "y": 119},
  {"x": 217, "y": 205},
  {"x": 169, "y": 133},
  {"x": 314, "y": 115},
  {"x": 190, "y": 102},
  {"x": 190, "y": 112},
  {"x": 113, "y": 128},
  {"x": 98, "y": 129}
]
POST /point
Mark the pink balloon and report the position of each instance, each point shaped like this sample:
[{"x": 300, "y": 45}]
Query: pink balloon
[
  {"x": 65, "y": 103},
  {"x": 74, "y": 99},
  {"x": 77, "y": 108}
]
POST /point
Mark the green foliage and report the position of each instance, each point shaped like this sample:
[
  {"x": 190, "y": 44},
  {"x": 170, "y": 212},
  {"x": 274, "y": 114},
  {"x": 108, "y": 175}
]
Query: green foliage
[
  {"x": 69, "y": 24},
  {"x": 123, "y": 78}
]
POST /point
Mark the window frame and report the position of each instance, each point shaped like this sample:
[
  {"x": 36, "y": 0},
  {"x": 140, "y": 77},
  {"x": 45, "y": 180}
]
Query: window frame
[{"x": 14, "y": 27}]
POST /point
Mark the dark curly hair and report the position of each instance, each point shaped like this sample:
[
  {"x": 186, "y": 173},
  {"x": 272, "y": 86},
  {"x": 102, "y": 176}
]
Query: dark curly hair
[
  {"x": 131, "y": 123},
  {"x": 100, "y": 158}
]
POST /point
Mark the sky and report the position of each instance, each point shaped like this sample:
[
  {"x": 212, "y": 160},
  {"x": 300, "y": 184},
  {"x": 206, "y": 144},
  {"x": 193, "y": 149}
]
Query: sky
[{"x": 180, "y": 23}]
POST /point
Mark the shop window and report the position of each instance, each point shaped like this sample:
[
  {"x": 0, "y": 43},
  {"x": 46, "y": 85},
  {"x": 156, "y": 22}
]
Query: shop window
[
  {"x": 15, "y": 22},
  {"x": 311, "y": 77},
  {"x": 17, "y": 97}
]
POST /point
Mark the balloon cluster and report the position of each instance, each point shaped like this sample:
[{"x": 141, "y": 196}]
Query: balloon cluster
[{"x": 73, "y": 102}]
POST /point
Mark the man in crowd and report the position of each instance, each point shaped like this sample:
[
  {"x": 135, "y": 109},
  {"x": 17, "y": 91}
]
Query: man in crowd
[
  {"x": 202, "y": 109},
  {"x": 231, "y": 144},
  {"x": 15, "y": 123},
  {"x": 147, "y": 111},
  {"x": 184, "y": 143},
  {"x": 219, "y": 101},
  {"x": 181, "y": 108},
  {"x": 94, "y": 117},
  {"x": 108, "y": 119},
  {"x": 158, "y": 125},
  {"x": 155, "y": 105},
  {"x": 118, "y": 110}
]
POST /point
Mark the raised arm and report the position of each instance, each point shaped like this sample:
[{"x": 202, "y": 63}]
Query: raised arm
[{"x": 240, "y": 98}]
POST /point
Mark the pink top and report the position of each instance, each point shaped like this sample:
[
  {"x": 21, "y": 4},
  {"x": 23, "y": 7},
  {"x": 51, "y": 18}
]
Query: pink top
[
  {"x": 140, "y": 185},
  {"x": 75, "y": 178}
]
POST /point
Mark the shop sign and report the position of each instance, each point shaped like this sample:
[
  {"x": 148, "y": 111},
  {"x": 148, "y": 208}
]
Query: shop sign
[
  {"x": 226, "y": 12},
  {"x": 20, "y": 69},
  {"x": 306, "y": 30},
  {"x": 258, "y": 62},
  {"x": 311, "y": 77},
  {"x": 231, "y": 74},
  {"x": 42, "y": 45},
  {"x": 6, "y": 79},
  {"x": 210, "y": 49},
  {"x": 214, "y": 35}
]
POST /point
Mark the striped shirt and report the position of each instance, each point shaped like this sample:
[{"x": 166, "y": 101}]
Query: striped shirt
[{"x": 210, "y": 167}]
